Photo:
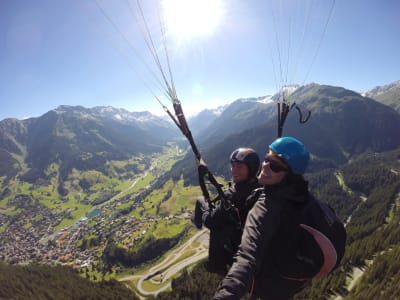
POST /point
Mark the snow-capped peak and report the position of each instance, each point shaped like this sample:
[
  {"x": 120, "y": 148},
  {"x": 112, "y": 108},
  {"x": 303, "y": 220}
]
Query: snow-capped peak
[{"x": 381, "y": 89}]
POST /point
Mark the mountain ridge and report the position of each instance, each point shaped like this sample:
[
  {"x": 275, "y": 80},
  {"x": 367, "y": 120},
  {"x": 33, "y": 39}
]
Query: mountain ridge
[
  {"x": 76, "y": 135},
  {"x": 388, "y": 94},
  {"x": 85, "y": 136},
  {"x": 343, "y": 124}
]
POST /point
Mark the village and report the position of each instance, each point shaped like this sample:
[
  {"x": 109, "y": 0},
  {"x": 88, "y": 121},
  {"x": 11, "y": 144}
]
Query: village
[
  {"x": 30, "y": 235},
  {"x": 38, "y": 244}
]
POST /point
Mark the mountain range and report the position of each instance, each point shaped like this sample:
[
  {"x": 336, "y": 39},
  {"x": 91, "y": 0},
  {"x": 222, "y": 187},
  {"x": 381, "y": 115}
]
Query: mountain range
[
  {"x": 78, "y": 137},
  {"x": 343, "y": 124}
]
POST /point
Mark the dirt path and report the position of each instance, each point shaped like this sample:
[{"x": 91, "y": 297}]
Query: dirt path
[{"x": 356, "y": 275}]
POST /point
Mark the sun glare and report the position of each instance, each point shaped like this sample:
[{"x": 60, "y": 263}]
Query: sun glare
[{"x": 189, "y": 18}]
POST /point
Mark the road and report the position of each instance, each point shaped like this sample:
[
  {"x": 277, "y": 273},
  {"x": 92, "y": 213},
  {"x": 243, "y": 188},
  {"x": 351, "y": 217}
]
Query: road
[{"x": 161, "y": 274}]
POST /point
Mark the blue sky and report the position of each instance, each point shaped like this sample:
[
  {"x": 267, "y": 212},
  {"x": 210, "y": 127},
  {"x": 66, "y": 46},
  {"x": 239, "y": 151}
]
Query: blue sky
[{"x": 66, "y": 52}]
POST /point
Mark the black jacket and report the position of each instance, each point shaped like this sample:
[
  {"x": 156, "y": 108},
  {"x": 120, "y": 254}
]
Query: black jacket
[
  {"x": 236, "y": 211},
  {"x": 264, "y": 260},
  {"x": 226, "y": 222}
]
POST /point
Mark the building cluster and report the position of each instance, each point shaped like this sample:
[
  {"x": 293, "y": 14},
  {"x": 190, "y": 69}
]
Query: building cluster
[
  {"x": 21, "y": 243},
  {"x": 28, "y": 234}
]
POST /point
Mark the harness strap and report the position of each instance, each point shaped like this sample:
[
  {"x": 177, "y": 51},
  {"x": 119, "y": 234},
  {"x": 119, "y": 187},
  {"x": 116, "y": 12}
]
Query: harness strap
[
  {"x": 203, "y": 171},
  {"x": 283, "y": 113}
]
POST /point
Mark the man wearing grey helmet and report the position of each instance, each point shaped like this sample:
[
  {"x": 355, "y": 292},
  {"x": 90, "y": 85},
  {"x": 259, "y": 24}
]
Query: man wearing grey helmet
[{"x": 227, "y": 219}]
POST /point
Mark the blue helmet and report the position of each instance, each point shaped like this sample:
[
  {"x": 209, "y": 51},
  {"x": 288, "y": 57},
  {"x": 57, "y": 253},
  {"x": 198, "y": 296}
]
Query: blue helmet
[{"x": 293, "y": 152}]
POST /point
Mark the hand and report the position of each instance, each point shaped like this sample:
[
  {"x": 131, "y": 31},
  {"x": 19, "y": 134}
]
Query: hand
[{"x": 200, "y": 208}]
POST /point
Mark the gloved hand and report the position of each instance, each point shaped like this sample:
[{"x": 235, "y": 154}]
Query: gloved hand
[{"x": 200, "y": 208}]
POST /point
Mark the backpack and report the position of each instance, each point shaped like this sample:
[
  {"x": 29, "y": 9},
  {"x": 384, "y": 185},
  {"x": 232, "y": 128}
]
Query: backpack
[
  {"x": 319, "y": 221},
  {"x": 312, "y": 243}
]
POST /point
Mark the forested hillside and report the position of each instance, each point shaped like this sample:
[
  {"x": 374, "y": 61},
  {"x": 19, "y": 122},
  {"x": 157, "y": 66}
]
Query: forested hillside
[{"x": 36, "y": 282}]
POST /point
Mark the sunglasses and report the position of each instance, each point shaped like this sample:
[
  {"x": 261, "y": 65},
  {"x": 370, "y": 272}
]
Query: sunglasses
[{"x": 275, "y": 166}]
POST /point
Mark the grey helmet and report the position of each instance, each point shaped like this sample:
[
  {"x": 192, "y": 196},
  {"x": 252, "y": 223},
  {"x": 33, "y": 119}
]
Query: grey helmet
[{"x": 249, "y": 157}]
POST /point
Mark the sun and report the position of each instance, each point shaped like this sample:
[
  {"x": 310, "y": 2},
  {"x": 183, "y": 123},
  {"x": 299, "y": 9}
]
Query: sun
[{"x": 189, "y": 18}]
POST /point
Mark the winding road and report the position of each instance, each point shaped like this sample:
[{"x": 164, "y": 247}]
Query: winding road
[{"x": 160, "y": 275}]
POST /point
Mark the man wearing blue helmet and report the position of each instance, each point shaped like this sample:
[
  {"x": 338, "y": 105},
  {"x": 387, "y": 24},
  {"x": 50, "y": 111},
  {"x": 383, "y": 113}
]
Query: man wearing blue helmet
[
  {"x": 278, "y": 254},
  {"x": 227, "y": 219}
]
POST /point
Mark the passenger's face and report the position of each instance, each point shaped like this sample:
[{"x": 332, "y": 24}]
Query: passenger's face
[
  {"x": 269, "y": 177},
  {"x": 240, "y": 172}
]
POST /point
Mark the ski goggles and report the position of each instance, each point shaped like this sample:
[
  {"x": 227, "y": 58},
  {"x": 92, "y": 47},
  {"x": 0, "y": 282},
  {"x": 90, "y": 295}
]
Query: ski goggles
[{"x": 275, "y": 166}]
